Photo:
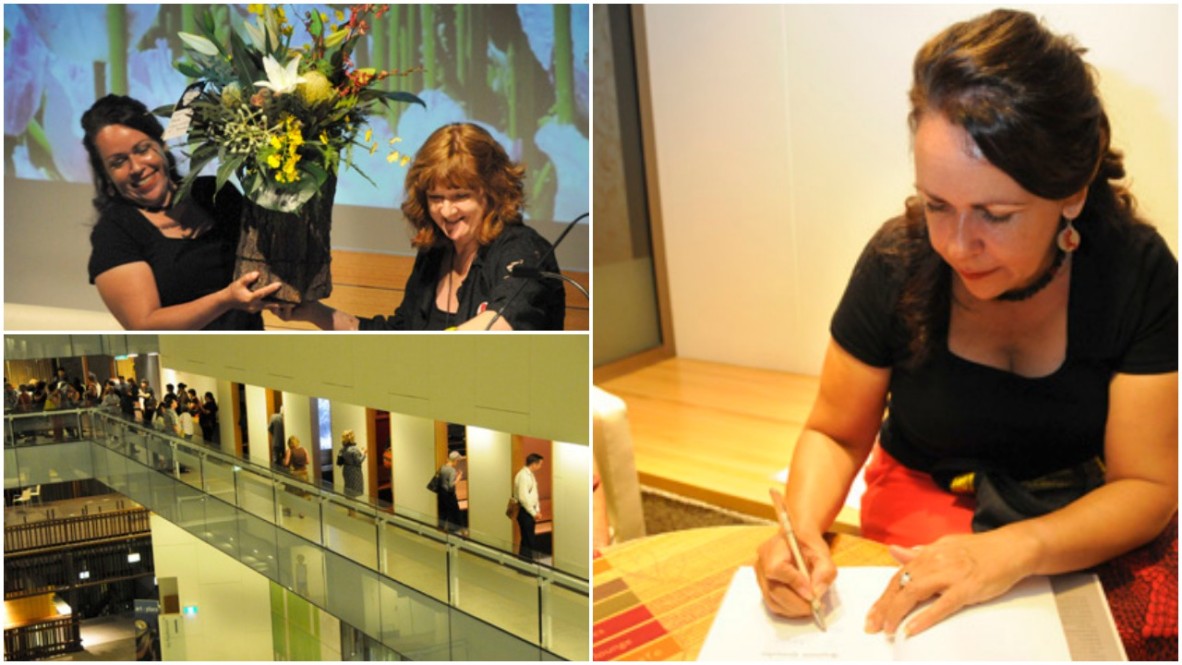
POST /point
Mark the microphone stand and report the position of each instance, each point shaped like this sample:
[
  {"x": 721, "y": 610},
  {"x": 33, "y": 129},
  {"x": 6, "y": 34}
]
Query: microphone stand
[
  {"x": 542, "y": 260},
  {"x": 531, "y": 273}
]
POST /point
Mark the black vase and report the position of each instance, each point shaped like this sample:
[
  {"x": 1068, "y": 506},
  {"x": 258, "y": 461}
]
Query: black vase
[{"x": 289, "y": 247}]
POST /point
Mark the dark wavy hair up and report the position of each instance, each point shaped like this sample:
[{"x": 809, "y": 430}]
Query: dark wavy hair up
[
  {"x": 1030, "y": 104},
  {"x": 464, "y": 156},
  {"x": 118, "y": 110}
]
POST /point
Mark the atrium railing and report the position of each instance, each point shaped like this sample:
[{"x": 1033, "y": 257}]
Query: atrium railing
[
  {"x": 74, "y": 530},
  {"x": 384, "y": 573}
]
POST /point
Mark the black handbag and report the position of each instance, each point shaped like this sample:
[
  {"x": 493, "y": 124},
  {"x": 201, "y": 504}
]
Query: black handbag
[{"x": 434, "y": 484}]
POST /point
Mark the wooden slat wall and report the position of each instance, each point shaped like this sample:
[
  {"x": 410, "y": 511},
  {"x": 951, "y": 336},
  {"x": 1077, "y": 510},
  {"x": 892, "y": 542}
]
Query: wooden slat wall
[{"x": 370, "y": 285}]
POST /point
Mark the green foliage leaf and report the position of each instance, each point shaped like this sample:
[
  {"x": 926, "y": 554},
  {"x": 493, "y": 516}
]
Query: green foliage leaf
[
  {"x": 227, "y": 168},
  {"x": 199, "y": 44},
  {"x": 316, "y": 26},
  {"x": 247, "y": 70},
  {"x": 189, "y": 69},
  {"x": 208, "y": 24},
  {"x": 397, "y": 96},
  {"x": 317, "y": 173},
  {"x": 363, "y": 174}
]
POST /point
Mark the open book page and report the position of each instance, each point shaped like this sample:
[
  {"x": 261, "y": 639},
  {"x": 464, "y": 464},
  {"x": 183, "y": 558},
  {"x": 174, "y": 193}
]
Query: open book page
[{"x": 1021, "y": 625}]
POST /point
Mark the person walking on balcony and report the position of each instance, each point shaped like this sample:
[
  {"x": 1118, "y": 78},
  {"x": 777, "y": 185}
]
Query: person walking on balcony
[{"x": 525, "y": 490}]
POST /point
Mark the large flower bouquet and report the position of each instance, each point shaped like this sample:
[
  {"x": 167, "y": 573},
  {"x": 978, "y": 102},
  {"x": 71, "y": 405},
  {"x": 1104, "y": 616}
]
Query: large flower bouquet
[{"x": 283, "y": 119}]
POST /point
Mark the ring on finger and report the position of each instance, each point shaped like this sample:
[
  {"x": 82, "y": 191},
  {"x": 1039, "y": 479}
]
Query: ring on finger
[{"x": 904, "y": 579}]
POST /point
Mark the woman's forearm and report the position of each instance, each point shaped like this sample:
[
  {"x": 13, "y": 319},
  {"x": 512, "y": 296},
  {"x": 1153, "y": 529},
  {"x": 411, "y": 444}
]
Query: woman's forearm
[
  {"x": 192, "y": 315},
  {"x": 1107, "y": 522},
  {"x": 819, "y": 479},
  {"x": 129, "y": 292}
]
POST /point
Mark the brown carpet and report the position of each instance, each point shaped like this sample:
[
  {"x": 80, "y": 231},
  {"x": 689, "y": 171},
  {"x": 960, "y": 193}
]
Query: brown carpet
[{"x": 665, "y": 512}]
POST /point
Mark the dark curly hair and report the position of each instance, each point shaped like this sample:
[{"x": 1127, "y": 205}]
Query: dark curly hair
[
  {"x": 118, "y": 110},
  {"x": 464, "y": 156},
  {"x": 1029, "y": 102}
]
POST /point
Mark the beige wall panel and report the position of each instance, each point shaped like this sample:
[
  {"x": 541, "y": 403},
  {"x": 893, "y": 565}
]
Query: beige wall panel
[
  {"x": 571, "y": 504},
  {"x": 233, "y": 620},
  {"x": 482, "y": 380},
  {"x": 413, "y": 442},
  {"x": 489, "y": 486}
]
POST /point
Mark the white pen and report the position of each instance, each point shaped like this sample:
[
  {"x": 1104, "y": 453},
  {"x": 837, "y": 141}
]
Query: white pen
[{"x": 782, "y": 514}]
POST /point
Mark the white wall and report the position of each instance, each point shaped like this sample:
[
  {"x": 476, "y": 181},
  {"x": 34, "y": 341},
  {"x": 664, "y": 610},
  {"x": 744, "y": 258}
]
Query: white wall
[
  {"x": 572, "y": 503},
  {"x": 256, "y": 425},
  {"x": 782, "y": 144},
  {"x": 233, "y": 620},
  {"x": 490, "y": 481},
  {"x": 226, "y": 423},
  {"x": 413, "y": 442}
]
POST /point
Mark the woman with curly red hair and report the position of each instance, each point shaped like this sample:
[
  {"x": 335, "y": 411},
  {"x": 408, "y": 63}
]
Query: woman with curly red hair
[{"x": 464, "y": 201}]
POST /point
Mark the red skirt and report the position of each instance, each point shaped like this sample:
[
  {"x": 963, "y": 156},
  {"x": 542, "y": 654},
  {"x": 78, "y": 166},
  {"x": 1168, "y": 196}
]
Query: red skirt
[{"x": 905, "y": 507}]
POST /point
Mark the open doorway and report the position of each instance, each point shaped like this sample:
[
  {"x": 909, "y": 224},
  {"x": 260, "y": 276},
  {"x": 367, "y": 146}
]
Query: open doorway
[
  {"x": 241, "y": 430},
  {"x": 523, "y": 447},
  {"x": 382, "y": 465}
]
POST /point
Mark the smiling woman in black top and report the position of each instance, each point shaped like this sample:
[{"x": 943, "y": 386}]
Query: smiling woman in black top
[
  {"x": 160, "y": 266},
  {"x": 464, "y": 200},
  {"x": 1014, "y": 330}
]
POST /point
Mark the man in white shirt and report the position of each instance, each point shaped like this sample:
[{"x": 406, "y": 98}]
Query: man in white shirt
[{"x": 525, "y": 490}]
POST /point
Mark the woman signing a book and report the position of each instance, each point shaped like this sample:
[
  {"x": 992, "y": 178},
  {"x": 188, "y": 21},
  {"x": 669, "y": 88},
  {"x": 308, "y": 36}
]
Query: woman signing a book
[{"x": 1018, "y": 326}]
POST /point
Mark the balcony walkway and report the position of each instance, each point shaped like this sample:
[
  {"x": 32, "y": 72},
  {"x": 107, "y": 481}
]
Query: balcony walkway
[{"x": 378, "y": 571}]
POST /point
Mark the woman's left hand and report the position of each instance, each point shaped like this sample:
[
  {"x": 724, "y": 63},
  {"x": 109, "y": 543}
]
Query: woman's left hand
[{"x": 956, "y": 570}]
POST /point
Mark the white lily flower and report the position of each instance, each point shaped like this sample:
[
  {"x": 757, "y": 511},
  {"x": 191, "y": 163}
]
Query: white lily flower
[
  {"x": 198, "y": 43},
  {"x": 281, "y": 79}
]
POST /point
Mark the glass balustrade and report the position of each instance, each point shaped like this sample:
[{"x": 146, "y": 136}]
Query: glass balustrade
[{"x": 424, "y": 593}]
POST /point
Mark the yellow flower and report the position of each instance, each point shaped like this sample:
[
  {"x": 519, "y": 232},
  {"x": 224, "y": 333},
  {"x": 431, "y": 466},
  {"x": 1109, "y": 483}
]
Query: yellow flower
[
  {"x": 324, "y": 138},
  {"x": 340, "y": 15},
  {"x": 396, "y": 139},
  {"x": 256, "y": 9},
  {"x": 276, "y": 142},
  {"x": 368, "y": 135},
  {"x": 392, "y": 157},
  {"x": 405, "y": 160},
  {"x": 273, "y": 161},
  {"x": 373, "y": 148}
]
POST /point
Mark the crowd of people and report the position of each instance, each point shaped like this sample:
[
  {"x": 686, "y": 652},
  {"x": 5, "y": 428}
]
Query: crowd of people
[{"x": 177, "y": 412}]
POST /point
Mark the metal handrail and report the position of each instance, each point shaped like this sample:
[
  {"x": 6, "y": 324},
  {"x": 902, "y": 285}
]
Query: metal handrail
[{"x": 376, "y": 511}]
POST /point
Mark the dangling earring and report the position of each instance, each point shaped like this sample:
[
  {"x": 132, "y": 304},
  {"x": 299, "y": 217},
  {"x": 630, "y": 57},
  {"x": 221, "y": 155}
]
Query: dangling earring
[{"x": 1068, "y": 238}]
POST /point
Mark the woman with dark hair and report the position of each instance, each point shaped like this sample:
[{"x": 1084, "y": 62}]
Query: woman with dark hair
[
  {"x": 464, "y": 202},
  {"x": 160, "y": 266},
  {"x": 1017, "y": 327},
  {"x": 209, "y": 419}
]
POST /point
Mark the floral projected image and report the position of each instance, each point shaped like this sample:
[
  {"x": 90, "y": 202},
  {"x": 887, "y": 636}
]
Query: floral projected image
[{"x": 519, "y": 71}]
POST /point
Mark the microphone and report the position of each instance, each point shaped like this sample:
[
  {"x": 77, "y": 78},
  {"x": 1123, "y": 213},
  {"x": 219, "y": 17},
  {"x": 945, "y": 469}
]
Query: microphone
[
  {"x": 542, "y": 260},
  {"x": 528, "y": 272}
]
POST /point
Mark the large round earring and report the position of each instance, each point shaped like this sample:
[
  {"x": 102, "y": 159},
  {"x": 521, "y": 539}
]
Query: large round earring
[{"x": 1068, "y": 238}]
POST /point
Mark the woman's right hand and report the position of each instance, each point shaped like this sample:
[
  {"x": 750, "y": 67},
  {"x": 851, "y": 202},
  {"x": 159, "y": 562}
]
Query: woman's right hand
[
  {"x": 786, "y": 590},
  {"x": 241, "y": 297}
]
